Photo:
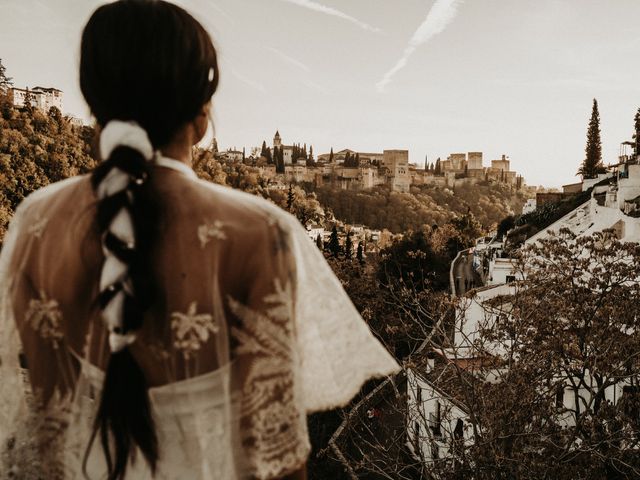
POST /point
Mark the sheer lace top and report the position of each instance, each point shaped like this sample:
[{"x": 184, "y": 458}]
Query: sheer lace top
[{"x": 250, "y": 332}]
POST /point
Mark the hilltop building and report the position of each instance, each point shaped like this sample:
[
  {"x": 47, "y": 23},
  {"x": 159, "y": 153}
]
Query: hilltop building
[
  {"x": 360, "y": 170},
  {"x": 470, "y": 165},
  {"x": 39, "y": 97},
  {"x": 396, "y": 163},
  {"x": 287, "y": 150}
]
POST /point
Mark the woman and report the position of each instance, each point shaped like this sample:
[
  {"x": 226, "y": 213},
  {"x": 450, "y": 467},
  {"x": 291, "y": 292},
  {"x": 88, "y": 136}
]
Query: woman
[{"x": 155, "y": 325}]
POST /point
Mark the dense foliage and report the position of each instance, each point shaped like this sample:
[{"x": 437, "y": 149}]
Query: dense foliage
[
  {"x": 37, "y": 149},
  {"x": 428, "y": 205},
  {"x": 567, "y": 342}
]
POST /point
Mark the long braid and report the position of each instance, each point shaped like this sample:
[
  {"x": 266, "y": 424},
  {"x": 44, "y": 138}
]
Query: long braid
[{"x": 126, "y": 215}]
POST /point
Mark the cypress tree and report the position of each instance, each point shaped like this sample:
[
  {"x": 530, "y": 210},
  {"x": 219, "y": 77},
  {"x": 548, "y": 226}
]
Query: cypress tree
[
  {"x": 359, "y": 256},
  {"x": 331, "y": 155},
  {"x": 592, "y": 164},
  {"x": 334, "y": 242},
  {"x": 278, "y": 158},
  {"x": 319, "y": 242},
  {"x": 348, "y": 247},
  {"x": 5, "y": 82},
  {"x": 357, "y": 160},
  {"x": 290, "y": 198},
  {"x": 311, "y": 153},
  {"x": 436, "y": 170}
]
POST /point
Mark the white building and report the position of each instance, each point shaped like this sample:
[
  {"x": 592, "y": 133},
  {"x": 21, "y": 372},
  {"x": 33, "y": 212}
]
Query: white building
[
  {"x": 40, "y": 97},
  {"x": 435, "y": 422},
  {"x": 529, "y": 206},
  {"x": 314, "y": 230}
]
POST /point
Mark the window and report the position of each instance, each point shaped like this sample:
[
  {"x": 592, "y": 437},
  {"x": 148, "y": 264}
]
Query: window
[
  {"x": 560, "y": 396},
  {"x": 435, "y": 420},
  {"x": 511, "y": 278},
  {"x": 459, "y": 430}
]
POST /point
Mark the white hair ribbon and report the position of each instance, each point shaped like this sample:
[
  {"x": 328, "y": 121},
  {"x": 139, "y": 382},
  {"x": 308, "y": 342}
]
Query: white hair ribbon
[{"x": 115, "y": 134}]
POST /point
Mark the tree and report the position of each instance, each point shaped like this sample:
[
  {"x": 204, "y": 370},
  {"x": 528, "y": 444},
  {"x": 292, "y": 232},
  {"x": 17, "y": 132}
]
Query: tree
[
  {"x": 319, "y": 242},
  {"x": 244, "y": 157},
  {"x": 290, "y": 198},
  {"x": 566, "y": 338},
  {"x": 592, "y": 164},
  {"x": 506, "y": 224},
  {"x": 334, "y": 243},
  {"x": 278, "y": 159},
  {"x": 331, "y": 155},
  {"x": 359, "y": 255},
  {"x": 28, "y": 98},
  {"x": 437, "y": 168},
  {"x": 426, "y": 163},
  {"x": 5, "y": 82},
  {"x": 348, "y": 247},
  {"x": 534, "y": 378},
  {"x": 311, "y": 154}
]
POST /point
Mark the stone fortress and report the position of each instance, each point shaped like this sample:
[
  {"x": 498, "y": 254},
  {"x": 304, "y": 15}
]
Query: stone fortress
[
  {"x": 39, "y": 97},
  {"x": 349, "y": 169},
  {"x": 470, "y": 165}
]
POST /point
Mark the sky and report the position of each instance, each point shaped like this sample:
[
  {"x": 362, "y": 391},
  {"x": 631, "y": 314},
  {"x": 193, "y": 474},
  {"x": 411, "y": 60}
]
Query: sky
[{"x": 514, "y": 77}]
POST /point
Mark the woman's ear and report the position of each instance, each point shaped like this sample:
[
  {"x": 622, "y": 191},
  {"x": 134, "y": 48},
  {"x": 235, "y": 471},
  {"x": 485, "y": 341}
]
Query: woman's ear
[{"x": 201, "y": 122}]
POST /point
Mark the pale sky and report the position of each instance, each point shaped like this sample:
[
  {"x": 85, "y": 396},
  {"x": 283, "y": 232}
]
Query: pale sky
[{"x": 514, "y": 77}]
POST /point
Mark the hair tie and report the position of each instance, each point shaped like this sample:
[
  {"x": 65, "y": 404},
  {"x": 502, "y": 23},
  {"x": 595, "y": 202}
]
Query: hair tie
[
  {"x": 118, "y": 133},
  {"x": 119, "y": 238}
]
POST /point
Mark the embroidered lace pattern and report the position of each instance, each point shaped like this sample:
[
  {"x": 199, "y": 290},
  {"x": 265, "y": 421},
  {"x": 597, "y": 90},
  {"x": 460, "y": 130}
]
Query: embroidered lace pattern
[
  {"x": 44, "y": 316},
  {"x": 211, "y": 230},
  {"x": 191, "y": 330},
  {"x": 270, "y": 411}
]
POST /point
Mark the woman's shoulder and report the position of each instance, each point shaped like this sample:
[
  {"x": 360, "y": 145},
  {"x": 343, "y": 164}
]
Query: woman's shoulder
[
  {"x": 240, "y": 207},
  {"x": 48, "y": 198}
]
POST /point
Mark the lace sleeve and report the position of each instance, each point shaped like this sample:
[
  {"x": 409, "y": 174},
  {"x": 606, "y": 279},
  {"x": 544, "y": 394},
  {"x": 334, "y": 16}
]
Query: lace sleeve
[
  {"x": 13, "y": 397},
  {"x": 338, "y": 351},
  {"x": 273, "y": 430},
  {"x": 35, "y": 397}
]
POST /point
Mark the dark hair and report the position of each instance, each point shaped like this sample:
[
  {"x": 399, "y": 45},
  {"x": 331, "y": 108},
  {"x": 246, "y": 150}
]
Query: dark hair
[{"x": 151, "y": 62}]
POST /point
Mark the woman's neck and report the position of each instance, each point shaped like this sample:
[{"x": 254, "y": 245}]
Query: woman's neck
[{"x": 180, "y": 152}]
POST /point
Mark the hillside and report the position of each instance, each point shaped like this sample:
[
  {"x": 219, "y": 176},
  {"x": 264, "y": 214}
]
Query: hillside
[
  {"x": 427, "y": 205},
  {"x": 37, "y": 149}
]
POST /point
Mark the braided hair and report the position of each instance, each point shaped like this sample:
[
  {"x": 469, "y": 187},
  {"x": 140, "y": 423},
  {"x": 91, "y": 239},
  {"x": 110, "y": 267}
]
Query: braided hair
[{"x": 147, "y": 68}]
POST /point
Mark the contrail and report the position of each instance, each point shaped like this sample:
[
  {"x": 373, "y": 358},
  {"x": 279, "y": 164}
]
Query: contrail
[
  {"x": 439, "y": 17},
  {"x": 289, "y": 59},
  {"x": 318, "y": 7}
]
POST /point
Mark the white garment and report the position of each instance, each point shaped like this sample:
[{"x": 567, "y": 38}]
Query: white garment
[{"x": 254, "y": 332}]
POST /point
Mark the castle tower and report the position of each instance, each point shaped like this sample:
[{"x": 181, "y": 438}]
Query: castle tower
[
  {"x": 277, "y": 141},
  {"x": 475, "y": 160}
]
